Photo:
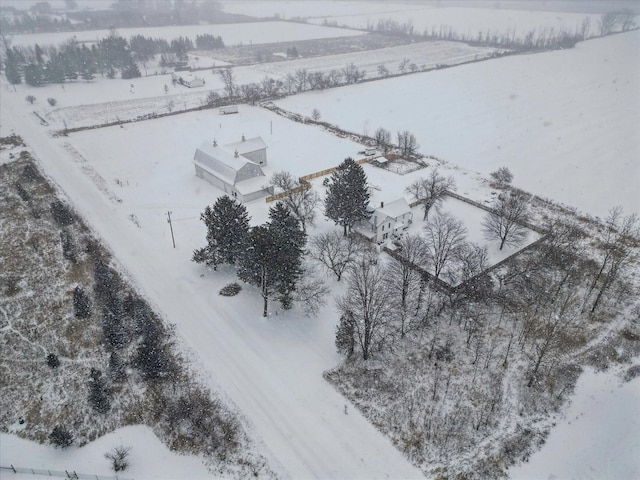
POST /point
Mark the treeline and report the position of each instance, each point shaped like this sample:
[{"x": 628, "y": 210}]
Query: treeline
[
  {"x": 122, "y": 14},
  {"x": 543, "y": 38},
  {"x": 109, "y": 56}
]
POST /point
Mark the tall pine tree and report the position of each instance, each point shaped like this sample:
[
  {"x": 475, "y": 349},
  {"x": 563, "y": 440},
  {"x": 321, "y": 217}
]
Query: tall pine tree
[
  {"x": 289, "y": 240},
  {"x": 347, "y": 200},
  {"x": 227, "y": 232},
  {"x": 273, "y": 259}
]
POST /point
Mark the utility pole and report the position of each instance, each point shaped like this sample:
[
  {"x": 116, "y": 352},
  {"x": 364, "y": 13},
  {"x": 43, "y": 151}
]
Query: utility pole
[{"x": 171, "y": 227}]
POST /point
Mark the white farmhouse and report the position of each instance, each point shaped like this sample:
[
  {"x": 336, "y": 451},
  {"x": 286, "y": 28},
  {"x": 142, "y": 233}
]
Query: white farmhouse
[
  {"x": 235, "y": 168},
  {"x": 387, "y": 221}
]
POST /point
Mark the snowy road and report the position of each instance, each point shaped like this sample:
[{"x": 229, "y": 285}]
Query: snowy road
[{"x": 272, "y": 369}]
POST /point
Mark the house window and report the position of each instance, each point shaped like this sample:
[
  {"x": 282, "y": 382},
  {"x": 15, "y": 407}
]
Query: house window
[
  {"x": 389, "y": 224},
  {"x": 383, "y": 228}
]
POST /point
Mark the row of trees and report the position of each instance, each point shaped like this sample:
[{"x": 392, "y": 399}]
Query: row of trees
[
  {"x": 108, "y": 56},
  {"x": 543, "y": 38},
  {"x": 300, "y": 81}
]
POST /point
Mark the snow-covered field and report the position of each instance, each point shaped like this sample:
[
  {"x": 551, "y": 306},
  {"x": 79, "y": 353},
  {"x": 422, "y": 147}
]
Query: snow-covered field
[
  {"x": 467, "y": 20},
  {"x": 564, "y": 122},
  {"x": 599, "y": 436},
  {"x": 423, "y": 55},
  {"x": 470, "y": 21},
  {"x": 232, "y": 34}
]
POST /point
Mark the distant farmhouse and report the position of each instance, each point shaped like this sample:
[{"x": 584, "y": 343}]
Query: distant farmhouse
[
  {"x": 386, "y": 221},
  {"x": 235, "y": 168}
]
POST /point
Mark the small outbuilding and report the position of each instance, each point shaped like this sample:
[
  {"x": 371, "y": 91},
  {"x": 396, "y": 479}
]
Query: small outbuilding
[{"x": 235, "y": 168}]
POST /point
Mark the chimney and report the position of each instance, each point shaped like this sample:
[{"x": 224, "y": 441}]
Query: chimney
[
  {"x": 243, "y": 139},
  {"x": 215, "y": 144},
  {"x": 235, "y": 154},
  {"x": 381, "y": 204}
]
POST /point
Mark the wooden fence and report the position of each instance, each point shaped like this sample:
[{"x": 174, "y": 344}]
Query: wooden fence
[{"x": 304, "y": 182}]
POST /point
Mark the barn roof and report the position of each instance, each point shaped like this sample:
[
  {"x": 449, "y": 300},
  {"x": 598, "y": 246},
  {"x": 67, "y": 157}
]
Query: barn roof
[
  {"x": 221, "y": 161},
  {"x": 247, "y": 146}
]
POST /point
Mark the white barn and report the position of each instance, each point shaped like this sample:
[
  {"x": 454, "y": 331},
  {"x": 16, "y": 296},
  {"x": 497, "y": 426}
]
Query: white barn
[{"x": 235, "y": 168}]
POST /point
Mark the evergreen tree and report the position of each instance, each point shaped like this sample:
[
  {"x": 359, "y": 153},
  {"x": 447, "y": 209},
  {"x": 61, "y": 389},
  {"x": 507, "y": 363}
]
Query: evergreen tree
[
  {"x": 289, "y": 241},
  {"x": 347, "y": 200},
  {"x": 257, "y": 264},
  {"x": 152, "y": 356},
  {"x": 227, "y": 232},
  {"x": 131, "y": 70},
  {"x": 33, "y": 75},
  {"x": 98, "y": 392},
  {"x": 81, "y": 303},
  {"x": 60, "y": 436},
  {"x": 273, "y": 259},
  {"x": 12, "y": 67},
  {"x": 345, "y": 335}
]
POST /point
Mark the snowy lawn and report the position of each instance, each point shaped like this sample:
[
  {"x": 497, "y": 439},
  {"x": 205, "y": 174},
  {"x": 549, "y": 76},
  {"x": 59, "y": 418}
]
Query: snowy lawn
[
  {"x": 232, "y": 34},
  {"x": 565, "y": 122}
]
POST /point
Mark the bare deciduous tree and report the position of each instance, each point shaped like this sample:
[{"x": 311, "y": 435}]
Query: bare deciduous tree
[
  {"x": 430, "y": 191},
  {"x": 404, "y": 279},
  {"x": 504, "y": 223},
  {"x": 621, "y": 233},
  {"x": 383, "y": 139},
  {"x": 502, "y": 176},
  {"x": 445, "y": 238},
  {"x": 335, "y": 251},
  {"x": 315, "y": 114},
  {"x": 407, "y": 143},
  {"x": 301, "y": 200},
  {"x": 228, "y": 78},
  {"x": 366, "y": 301}
]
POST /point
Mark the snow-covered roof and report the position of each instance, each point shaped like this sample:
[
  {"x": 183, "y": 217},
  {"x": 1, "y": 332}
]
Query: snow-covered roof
[
  {"x": 220, "y": 161},
  {"x": 247, "y": 146},
  {"x": 252, "y": 185},
  {"x": 394, "y": 209}
]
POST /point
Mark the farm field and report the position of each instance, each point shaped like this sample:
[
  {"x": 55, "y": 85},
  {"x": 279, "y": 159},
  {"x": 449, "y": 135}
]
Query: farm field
[
  {"x": 287, "y": 9},
  {"x": 563, "y": 122},
  {"x": 471, "y": 18},
  {"x": 232, "y": 34},
  {"x": 105, "y": 100}
]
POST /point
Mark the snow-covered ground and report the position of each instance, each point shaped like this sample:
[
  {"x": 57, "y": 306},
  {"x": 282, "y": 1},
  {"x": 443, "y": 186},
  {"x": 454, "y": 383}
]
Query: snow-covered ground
[
  {"x": 232, "y": 34},
  {"x": 508, "y": 112},
  {"x": 564, "y": 122},
  {"x": 271, "y": 368},
  {"x": 598, "y": 436},
  {"x": 149, "y": 458}
]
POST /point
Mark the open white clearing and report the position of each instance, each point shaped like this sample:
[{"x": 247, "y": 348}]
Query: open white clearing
[{"x": 598, "y": 437}]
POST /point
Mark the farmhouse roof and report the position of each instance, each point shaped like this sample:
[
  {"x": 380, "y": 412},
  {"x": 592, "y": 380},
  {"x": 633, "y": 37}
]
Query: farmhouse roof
[{"x": 394, "y": 209}]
